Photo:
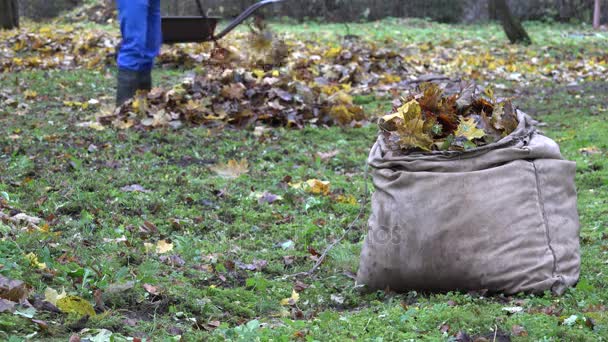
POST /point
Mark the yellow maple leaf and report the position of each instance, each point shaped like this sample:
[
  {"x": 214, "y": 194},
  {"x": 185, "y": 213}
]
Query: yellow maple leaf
[
  {"x": 412, "y": 135},
  {"x": 163, "y": 246},
  {"x": 468, "y": 129},
  {"x": 409, "y": 111},
  {"x": 291, "y": 300}
]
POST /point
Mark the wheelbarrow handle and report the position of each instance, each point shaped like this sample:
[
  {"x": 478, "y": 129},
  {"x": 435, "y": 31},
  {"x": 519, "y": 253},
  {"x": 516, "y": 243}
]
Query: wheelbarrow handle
[
  {"x": 200, "y": 8},
  {"x": 243, "y": 16}
]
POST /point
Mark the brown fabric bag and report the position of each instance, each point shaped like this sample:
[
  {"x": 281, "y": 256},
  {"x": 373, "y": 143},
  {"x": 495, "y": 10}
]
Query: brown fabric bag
[{"x": 502, "y": 217}]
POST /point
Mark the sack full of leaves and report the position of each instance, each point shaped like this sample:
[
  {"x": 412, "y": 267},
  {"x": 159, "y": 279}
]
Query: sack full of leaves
[{"x": 469, "y": 196}]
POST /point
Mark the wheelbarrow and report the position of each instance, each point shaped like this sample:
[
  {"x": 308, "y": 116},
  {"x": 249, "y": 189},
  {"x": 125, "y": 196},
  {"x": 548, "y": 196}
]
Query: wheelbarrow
[{"x": 196, "y": 29}]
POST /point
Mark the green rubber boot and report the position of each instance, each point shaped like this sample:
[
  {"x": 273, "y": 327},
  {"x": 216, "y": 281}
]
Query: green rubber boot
[
  {"x": 127, "y": 84},
  {"x": 145, "y": 80}
]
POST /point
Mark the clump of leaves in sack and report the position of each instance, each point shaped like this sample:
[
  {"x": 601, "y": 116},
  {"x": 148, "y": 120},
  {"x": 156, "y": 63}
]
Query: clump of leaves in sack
[{"x": 431, "y": 120}]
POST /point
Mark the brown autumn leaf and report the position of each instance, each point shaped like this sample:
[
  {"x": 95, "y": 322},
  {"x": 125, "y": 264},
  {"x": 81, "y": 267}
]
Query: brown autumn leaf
[
  {"x": 13, "y": 290},
  {"x": 232, "y": 169},
  {"x": 325, "y": 156},
  {"x": 518, "y": 330},
  {"x": 234, "y": 91},
  {"x": 151, "y": 289}
]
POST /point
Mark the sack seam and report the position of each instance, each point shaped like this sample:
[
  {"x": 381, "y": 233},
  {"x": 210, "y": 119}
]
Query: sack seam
[{"x": 544, "y": 215}]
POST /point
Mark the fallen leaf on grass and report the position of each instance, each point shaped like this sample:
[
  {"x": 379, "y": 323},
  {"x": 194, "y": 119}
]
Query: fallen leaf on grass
[
  {"x": 300, "y": 286},
  {"x": 590, "y": 150},
  {"x": 266, "y": 197},
  {"x": 151, "y": 289},
  {"x": 324, "y": 156},
  {"x": 163, "y": 246},
  {"x": 92, "y": 125},
  {"x": 513, "y": 309},
  {"x": 52, "y": 296},
  {"x": 291, "y": 300},
  {"x": 134, "y": 188},
  {"x": 233, "y": 169},
  {"x": 21, "y": 217},
  {"x": 337, "y": 299},
  {"x": 13, "y": 290},
  {"x": 212, "y": 325},
  {"x": 570, "y": 321},
  {"x": 76, "y": 305},
  {"x": 518, "y": 330},
  {"x": 313, "y": 186},
  {"x": 172, "y": 260},
  {"x": 34, "y": 261},
  {"x": 347, "y": 199},
  {"x": 256, "y": 265}
]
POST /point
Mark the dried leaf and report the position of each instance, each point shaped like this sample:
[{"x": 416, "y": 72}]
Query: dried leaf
[
  {"x": 52, "y": 296},
  {"x": 151, "y": 289},
  {"x": 233, "y": 169},
  {"x": 13, "y": 290},
  {"x": 313, "y": 186},
  {"x": 134, "y": 188},
  {"x": 163, "y": 246},
  {"x": 291, "y": 300}
]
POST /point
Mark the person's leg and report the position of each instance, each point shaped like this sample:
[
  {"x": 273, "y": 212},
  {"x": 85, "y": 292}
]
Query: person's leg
[
  {"x": 153, "y": 42},
  {"x": 132, "y": 60}
]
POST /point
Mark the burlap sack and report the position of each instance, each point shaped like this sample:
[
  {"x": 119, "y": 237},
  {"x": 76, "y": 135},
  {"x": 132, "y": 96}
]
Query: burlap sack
[{"x": 502, "y": 217}]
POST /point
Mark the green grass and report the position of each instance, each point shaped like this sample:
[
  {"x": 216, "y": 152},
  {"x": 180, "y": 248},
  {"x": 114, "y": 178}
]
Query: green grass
[{"x": 51, "y": 171}]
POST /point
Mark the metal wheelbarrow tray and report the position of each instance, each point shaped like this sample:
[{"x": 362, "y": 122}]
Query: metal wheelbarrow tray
[{"x": 195, "y": 29}]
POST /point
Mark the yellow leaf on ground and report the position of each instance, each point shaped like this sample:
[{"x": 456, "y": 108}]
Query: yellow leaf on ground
[
  {"x": 468, "y": 129},
  {"x": 163, "y": 246},
  {"x": 317, "y": 187},
  {"x": 233, "y": 169},
  {"x": 76, "y": 305},
  {"x": 52, "y": 296},
  {"x": 34, "y": 261},
  {"x": 347, "y": 199},
  {"x": 291, "y": 300},
  {"x": 30, "y": 94},
  {"x": 590, "y": 150}
]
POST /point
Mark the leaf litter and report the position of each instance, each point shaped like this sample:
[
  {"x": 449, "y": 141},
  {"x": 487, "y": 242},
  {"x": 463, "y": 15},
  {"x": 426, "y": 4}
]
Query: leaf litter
[{"x": 429, "y": 120}]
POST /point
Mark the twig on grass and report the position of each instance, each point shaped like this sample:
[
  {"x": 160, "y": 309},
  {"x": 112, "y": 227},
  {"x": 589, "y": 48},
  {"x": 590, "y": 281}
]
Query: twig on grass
[{"x": 335, "y": 243}]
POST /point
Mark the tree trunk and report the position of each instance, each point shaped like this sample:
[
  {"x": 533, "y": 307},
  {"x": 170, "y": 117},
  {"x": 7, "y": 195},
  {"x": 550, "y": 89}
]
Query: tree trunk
[
  {"x": 565, "y": 10},
  {"x": 513, "y": 28},
  {"x": 9, "y": 14},
  {"x": 596, "y": 15}
]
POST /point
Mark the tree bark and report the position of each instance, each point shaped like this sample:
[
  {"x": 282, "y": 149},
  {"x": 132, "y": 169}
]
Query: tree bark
[
  {"x": 9, "y": 14},
  {"x": 512, "y": 26},
  {"x": 596, "y": 15}
]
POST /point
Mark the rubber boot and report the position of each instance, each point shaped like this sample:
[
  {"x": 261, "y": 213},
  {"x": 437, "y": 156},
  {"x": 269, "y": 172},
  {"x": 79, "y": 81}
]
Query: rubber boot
[
  {"x": 127, "y": 84},
  {"x": 145, "y": 80}
]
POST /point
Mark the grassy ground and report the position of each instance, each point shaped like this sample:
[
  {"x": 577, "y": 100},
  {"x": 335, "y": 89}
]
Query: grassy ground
[{"x": 73, "y": 177}]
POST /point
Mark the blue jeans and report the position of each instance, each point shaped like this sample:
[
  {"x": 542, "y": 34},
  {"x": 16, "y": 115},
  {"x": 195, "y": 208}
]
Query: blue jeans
[{"x": 140, "y": 25}]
